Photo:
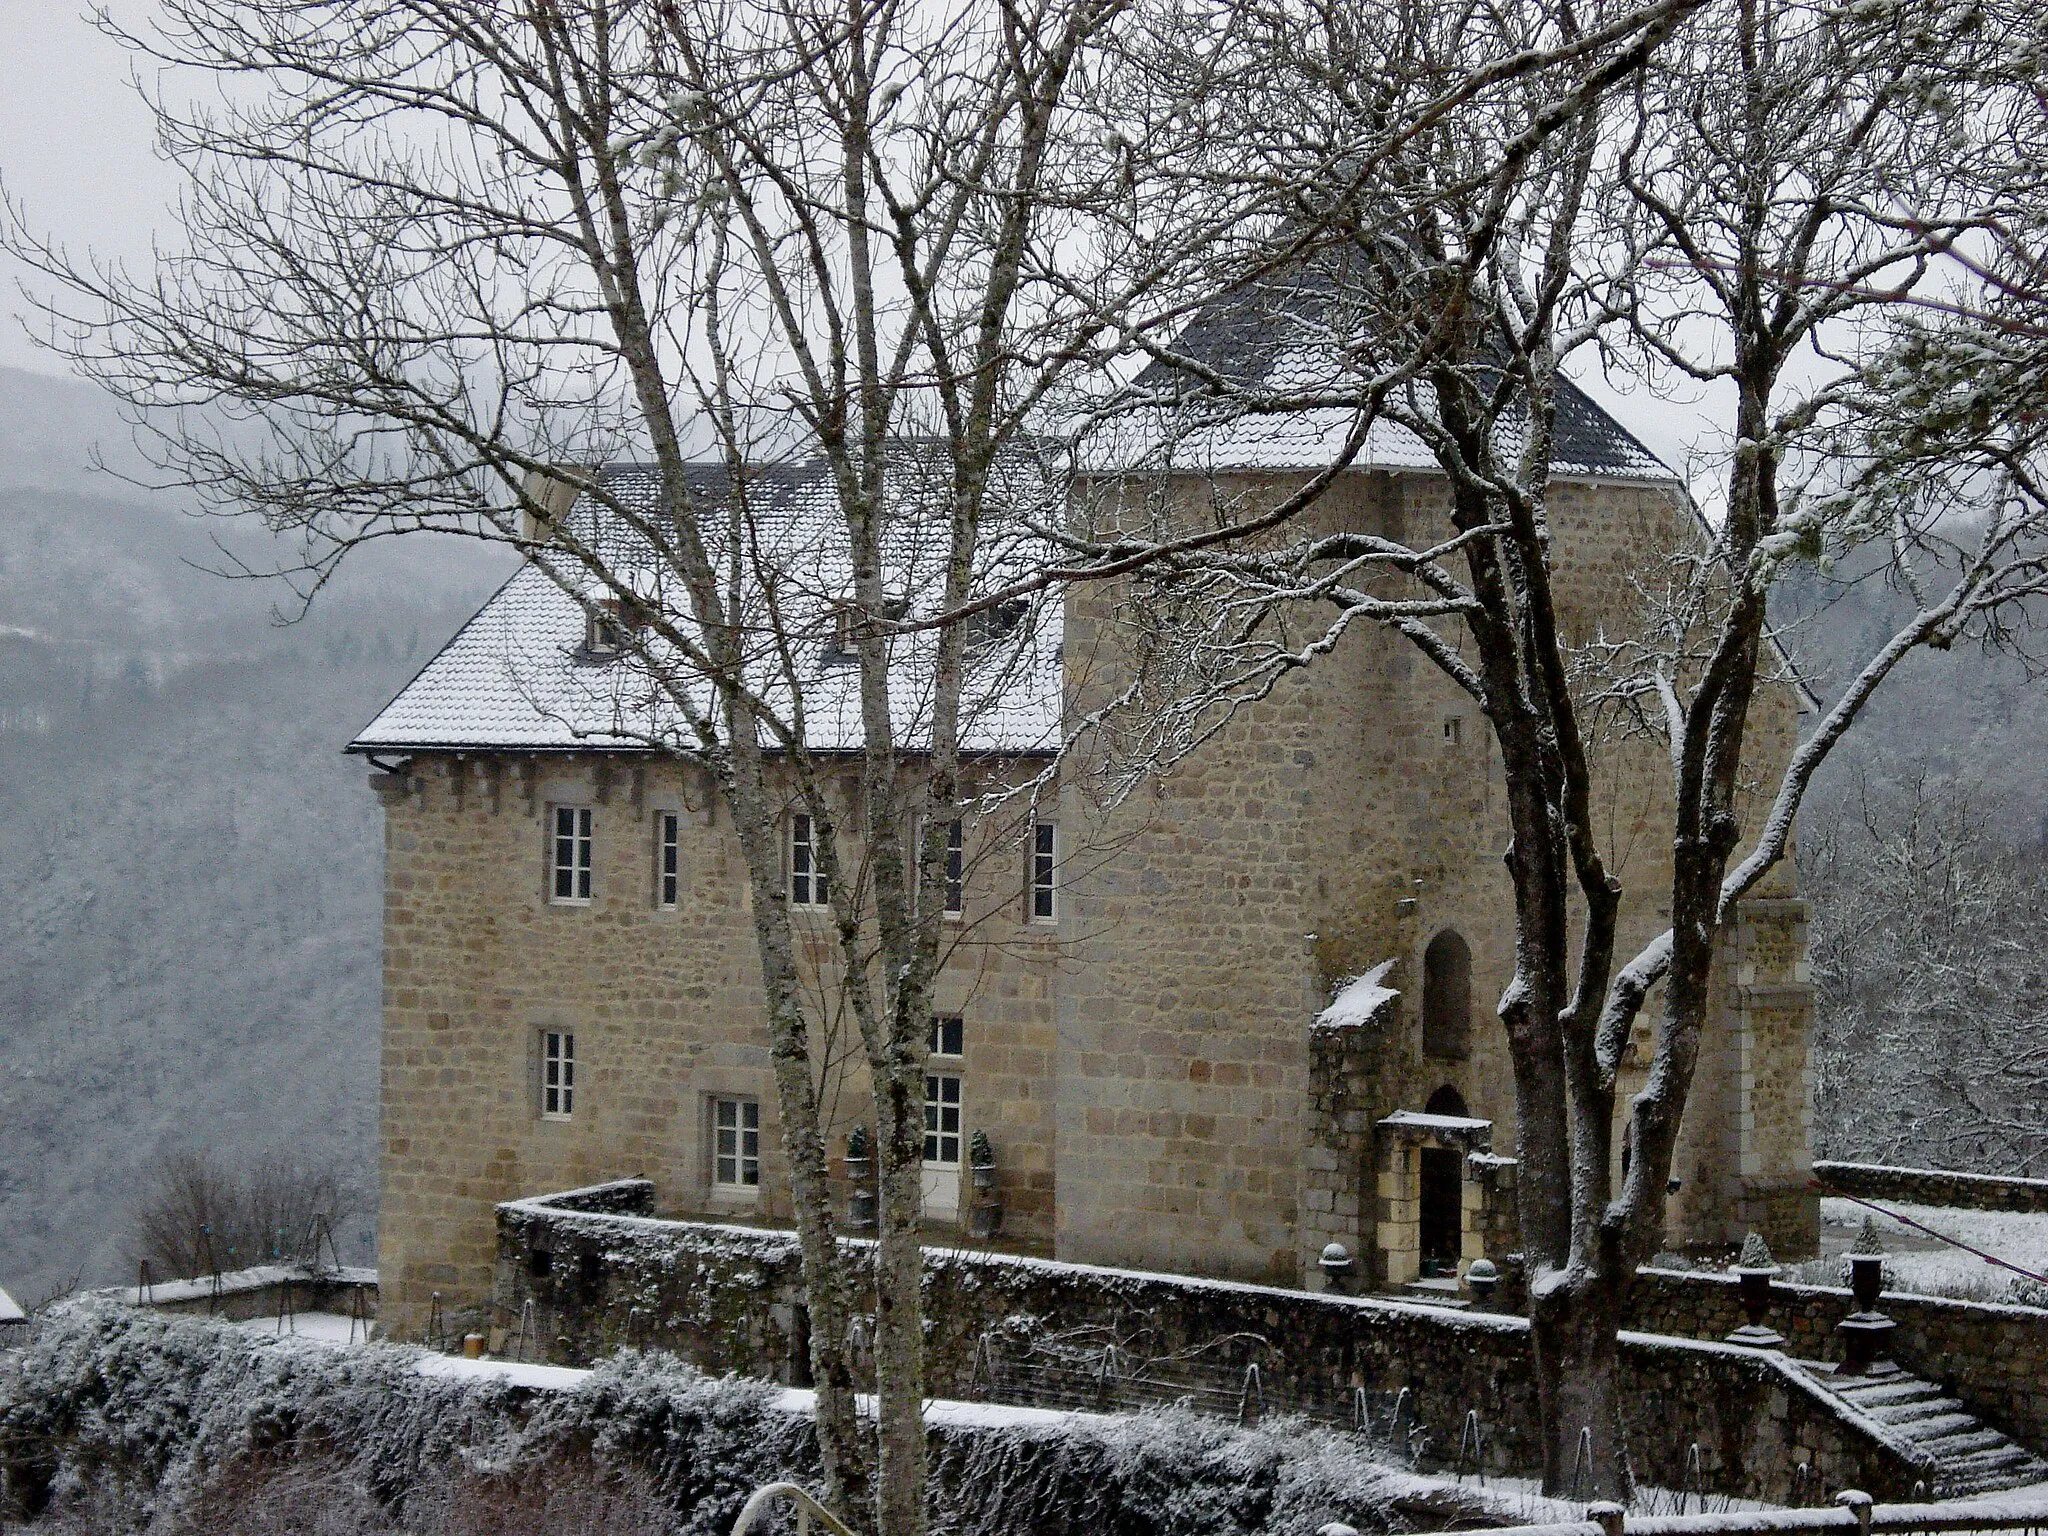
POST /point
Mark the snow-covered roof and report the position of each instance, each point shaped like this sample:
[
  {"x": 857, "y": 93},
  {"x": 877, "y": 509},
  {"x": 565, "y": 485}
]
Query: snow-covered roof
[
  {"x": 1287, "y": 335},
  {"x": 518, "y": 676},
  {"x": 10, "y": 1310}
]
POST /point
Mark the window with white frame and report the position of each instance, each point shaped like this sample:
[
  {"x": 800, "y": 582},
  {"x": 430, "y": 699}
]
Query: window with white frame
[
  {"x": 736, "y": 1144},
  {"x": 557, "y": 1074},
  {"x": 956, "y": 870},
  {"x": 806, "y": 879},
  {"x": 949, "y": 1035},
  {"x": 569, "y": 855},
  {"x": 668, "y": 860},
  {"x": 1044, "y": 872},
  {"x": 941, "y": 1120}
]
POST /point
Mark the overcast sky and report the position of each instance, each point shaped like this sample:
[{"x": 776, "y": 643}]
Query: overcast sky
[{"x": 76, "y": 153}]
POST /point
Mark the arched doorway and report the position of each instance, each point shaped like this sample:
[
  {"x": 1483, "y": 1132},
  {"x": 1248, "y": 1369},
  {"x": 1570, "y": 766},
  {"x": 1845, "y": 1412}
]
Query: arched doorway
[
  {"x": 1441, "y": 1216},
  {"x": 1447, "y": 997}
]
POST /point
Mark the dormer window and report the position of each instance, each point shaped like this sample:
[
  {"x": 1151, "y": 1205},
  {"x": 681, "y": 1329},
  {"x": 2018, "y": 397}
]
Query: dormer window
[
  {"x": 841, "y": 648},
  {"x": 607, "y": 625},
  {"x": 991, "y": 626}
]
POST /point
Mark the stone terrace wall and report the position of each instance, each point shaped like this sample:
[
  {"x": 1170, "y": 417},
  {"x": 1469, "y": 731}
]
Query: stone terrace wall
[
  {"x": 728, "y": 1299},
  {"x": 1932, "y": 1186},
  {"x": 1993, "y": 1357}
]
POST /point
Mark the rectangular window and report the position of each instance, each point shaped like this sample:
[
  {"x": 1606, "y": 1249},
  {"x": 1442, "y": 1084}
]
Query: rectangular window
[
  {"x": 668, "y": 863},
  {"x": 941, "y": 1120},
  {"x": 736, "y": 1143},
  {"x": 1044, "y": 864},
  {"x": 557, "y": 1075},
  {"x": 570, "y": 858},
  {"x": 806, "y": 879},
  {"x": 948, "y": 1035},
  {"x": 956, "y": 870}
]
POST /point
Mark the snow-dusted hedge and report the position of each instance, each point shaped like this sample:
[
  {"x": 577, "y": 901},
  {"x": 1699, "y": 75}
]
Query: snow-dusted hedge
[{"x": 142, "y": 1412}]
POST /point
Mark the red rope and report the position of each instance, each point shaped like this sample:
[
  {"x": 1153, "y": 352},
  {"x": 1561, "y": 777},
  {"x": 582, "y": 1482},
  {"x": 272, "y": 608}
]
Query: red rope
[{"x": 1953, "y": 1242}]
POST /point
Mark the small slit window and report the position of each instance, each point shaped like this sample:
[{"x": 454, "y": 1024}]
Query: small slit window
[
  {"x": 956, "y": 870},
  {"x": 668, "y": 862},
  {"x": 1044, "y": 872}
]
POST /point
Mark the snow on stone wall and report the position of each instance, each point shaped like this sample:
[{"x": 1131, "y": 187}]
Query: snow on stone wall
[
  {"x": 108, "y": 1400},
  {"x": 1932, "y": 1186},
  {"x": 727, "y": 1298}
]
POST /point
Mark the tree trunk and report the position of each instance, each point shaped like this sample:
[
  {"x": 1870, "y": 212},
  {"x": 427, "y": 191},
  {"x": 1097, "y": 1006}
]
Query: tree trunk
[
  {"x": 899, "y": 1314},
  {"x": 1572, "y": 1327}
]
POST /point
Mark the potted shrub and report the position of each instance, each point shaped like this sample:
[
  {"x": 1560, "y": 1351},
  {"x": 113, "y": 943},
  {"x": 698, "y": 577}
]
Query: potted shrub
[{"x": 981, "y": 1160}]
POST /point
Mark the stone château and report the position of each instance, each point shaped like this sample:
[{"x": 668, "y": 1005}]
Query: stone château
[{"x": 1150, "y": 1010}]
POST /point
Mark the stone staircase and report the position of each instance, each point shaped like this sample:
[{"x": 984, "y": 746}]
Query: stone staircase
[{"x": 1970, "y": 1457}]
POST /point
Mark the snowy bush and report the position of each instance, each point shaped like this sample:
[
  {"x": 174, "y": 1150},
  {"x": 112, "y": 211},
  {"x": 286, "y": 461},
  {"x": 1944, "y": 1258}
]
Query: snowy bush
[{"x": 130, "y": 1421}]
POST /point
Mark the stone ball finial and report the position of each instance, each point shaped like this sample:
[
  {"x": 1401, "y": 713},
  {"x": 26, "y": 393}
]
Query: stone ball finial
[
  {"x": 1756, "y": 1253},
  {"x": 1867, "y": 1240}
]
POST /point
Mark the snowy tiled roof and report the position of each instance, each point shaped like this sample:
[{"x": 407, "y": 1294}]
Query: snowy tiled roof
[
  {"x": 1286, "y": 336},
  {"x": 518, "y": 676}
]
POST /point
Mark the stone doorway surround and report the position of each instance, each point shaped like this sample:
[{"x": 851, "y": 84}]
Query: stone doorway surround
[{"x": 1402, "y": 1138}]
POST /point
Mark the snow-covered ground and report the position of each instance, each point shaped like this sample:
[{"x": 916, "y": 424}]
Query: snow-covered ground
[
  {"x": 326, "y": 1327},
  {"x": 1922, "y": 1263}
]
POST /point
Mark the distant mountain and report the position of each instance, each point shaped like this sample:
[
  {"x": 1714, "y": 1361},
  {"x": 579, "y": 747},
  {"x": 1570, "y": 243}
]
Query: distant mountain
[{"x": 189, "y": 925}]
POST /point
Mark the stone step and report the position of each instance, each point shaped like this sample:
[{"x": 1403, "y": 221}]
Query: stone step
[
  {"x": 1968, "y": 1442},
  {"x": 1998, "y": 1459},
  {"x": 1907, "y": 1412},
  {"x": 1868, "y": 1391},
  {"x": 1437, "y": 1291},
  {"x": 2023, "y": 1474},
  {"x": 1970, "y": 1456},
  {"x": 1939, "y": 1426}
]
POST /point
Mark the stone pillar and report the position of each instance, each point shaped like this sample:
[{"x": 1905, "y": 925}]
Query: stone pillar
[
  {"x": 1337, "y": 1197},
  {"x": 1768, "y": 989}
]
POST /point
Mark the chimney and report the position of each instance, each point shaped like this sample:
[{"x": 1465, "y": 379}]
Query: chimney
[{"x": 547, "y": 498}]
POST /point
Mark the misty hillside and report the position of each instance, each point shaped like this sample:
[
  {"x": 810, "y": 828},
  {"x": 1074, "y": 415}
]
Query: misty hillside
[{"x": 189, "y": 931}]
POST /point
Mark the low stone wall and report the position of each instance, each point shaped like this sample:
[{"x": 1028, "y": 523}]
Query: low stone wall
[
  {"x": 1991, "y": 1356},
  {"x": 1932, "y": 1186},
  {"x": 581, "y": 1283},
  {"x": 265, "y": 1291}
]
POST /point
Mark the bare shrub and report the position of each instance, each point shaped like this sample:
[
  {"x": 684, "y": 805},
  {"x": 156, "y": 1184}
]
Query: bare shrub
[
  {"x": 540, "y": 1499},
  {"x": 322, "y": 1496},
  {"x": 200, "y": 1215}
]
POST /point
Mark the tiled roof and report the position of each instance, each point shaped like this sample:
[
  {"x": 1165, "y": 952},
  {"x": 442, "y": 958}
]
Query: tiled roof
[
  {"x": 1283, "y": 336},
  {"x": 517, "y": 675}
]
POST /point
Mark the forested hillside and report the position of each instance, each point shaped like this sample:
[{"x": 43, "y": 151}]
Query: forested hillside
[{"x": 188, "y": 934}]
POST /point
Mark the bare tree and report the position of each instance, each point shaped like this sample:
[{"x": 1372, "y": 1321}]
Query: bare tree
[
  {"x": 201, "y": 1216},
  {"x": 1928, "y": 935},
  {"x": 437, "y": 254},
  {"x": 1774, "y": 175}
]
